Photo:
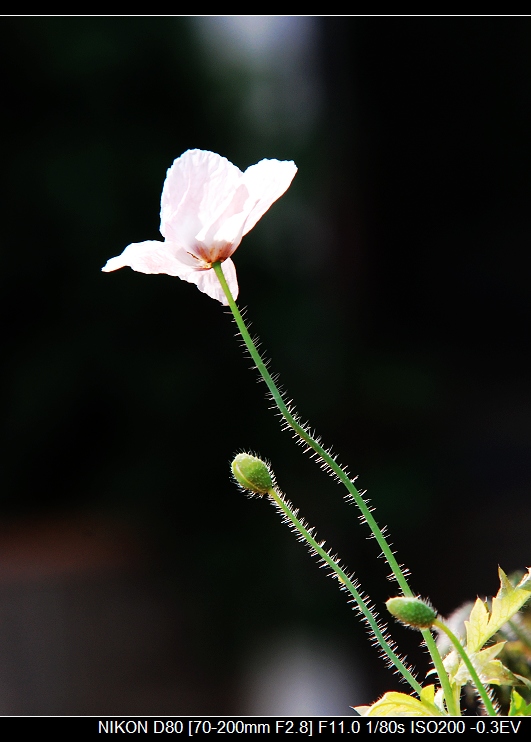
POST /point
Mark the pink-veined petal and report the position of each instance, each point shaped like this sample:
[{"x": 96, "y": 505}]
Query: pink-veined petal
[
  {"x": 260, "y": 186},
  {"x": 199, "y": 187},
  {"x": 207, "y": 281},
  {"x": 266, "y": 182},
  {"x": 207, "y": 205},
  {"x": 150, "y": 257},
  {"x": 225, "y": 232}
]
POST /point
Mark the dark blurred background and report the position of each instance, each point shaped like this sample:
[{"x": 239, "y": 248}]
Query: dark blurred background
[{"x": 389, "y": 286}]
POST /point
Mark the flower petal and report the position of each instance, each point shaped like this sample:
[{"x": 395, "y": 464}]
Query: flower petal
[
  {"x": 207, "y": 205},
  {"x": 266, "y": 182},
  {"x": 150, "y": 257},
  {"x": 224, "y": 234},
  {"x": 260, "y": 186},
  {"x": 199, "y": 187},
  {"x": 208, "y": 283}
]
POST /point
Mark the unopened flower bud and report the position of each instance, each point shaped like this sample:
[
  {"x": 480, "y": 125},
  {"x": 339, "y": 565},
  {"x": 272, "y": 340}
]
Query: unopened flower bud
[
  {"x": 252, "y": 473},
  {"x": 412, "y": 612}
]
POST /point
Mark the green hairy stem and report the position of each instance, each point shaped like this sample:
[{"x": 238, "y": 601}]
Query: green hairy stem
[{"x": 330, "y": 462}]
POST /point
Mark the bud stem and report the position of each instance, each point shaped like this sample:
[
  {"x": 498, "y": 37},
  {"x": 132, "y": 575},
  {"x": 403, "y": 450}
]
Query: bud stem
[
  {"x": 469, "y": 666},
  {"x": 284, "y": 506}
]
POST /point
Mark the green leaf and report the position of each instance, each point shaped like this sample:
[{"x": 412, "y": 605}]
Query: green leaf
[
  {"x": 523, "y": 680},
  {"x": 427, "y": 694},
  {"x": 482, "y": 626},
  {"x": 400, "y": 704},
  {"x": 489, "y": 669},
  {"x": 518, "y": 705},
  {"x": 477, "y": 627},
  {"x": 508, "y": 601},
  {"x": 496, "y": 673}
]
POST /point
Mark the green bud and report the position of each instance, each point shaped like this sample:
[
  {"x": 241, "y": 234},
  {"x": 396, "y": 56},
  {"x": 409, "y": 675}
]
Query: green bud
[
  {"x": 412, "y": 612},
  {"x": 252, "y": 473}
]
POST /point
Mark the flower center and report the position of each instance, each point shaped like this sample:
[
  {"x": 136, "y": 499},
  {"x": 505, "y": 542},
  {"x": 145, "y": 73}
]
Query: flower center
[
  {"x": 203, "y": 264},
  {"x": 208, "y": 255}
]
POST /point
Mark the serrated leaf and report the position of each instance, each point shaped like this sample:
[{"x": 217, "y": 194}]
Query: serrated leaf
[
  {"x": 480, "y": 627},
  {"x": 476, "y": 626},
  {"x": 489, "y": 669},
  {"x": 495, "y": 673},
  {"x": 507, "y": 602},
  {"x": 518, "y": 705},
  {"x": 400, "y": 704},
  {"x": 506, "y": 586},
  {"x": 489, "y": 653},
  {"x": 525, "y": 582}
]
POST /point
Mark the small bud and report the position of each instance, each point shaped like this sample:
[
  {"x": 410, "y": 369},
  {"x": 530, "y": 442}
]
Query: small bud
[
  {"x": 252, "y": 473},
  {"x": 412, "y": 612}
]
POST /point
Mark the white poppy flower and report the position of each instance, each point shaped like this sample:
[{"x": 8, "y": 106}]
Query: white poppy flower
[{"x": 207, "y": 206}]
